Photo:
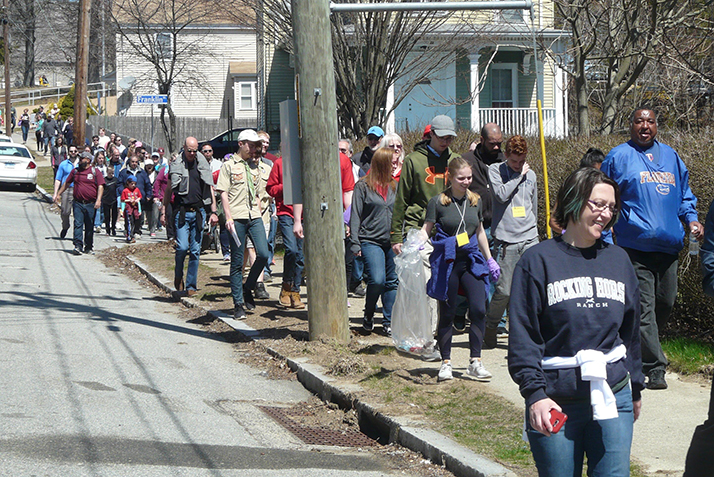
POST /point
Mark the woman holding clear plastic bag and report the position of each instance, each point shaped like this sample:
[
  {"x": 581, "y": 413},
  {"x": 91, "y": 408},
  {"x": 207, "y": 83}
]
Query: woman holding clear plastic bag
[
  {"x": 461, "y": 260},
  {"x": 370, "y": 222}
]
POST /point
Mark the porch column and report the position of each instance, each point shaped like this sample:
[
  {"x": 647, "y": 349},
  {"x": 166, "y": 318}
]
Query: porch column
[
  {"x": 560, "y": 92},
  {"x": 474, "y": 90},
  {"x": 389, "y": 124}
]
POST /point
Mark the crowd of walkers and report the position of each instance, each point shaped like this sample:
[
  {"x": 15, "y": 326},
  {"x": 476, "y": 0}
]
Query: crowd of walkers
[{"x": 583, "y": 313}]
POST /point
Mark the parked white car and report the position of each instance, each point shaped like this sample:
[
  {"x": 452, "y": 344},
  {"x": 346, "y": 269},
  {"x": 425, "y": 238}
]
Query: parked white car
[
  {"x": 4, "y": 138},
  {"x": 17, "y": 165}
]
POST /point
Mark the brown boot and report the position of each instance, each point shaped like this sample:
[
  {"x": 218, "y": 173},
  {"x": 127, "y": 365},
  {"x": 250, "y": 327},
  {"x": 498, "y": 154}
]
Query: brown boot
[
  {"x": 295, "y": 301},
  {"x": 489, "y": 339},
  {"x": 285, "y": 295}
]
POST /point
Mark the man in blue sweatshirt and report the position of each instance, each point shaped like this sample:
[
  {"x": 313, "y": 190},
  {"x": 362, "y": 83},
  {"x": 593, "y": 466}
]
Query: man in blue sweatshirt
[{"x": 656, "y": 199}]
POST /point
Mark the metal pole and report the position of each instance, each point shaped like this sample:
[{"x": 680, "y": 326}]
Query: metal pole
[
  {"x": 429, "y": 6},
  {"x": 152, "y": 128}
]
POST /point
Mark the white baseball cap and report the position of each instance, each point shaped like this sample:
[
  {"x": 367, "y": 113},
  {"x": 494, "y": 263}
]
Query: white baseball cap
[{"x": 249, "y": 135}]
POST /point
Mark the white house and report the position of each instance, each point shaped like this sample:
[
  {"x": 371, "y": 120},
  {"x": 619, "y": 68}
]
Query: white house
[{"x": 215, "y": 60}]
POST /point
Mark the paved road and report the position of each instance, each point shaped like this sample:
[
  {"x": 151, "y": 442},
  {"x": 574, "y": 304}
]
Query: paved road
[{"x": 100, "y": 378}]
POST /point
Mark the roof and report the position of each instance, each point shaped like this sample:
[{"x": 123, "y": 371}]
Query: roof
[{"x": 242, "y": 67}]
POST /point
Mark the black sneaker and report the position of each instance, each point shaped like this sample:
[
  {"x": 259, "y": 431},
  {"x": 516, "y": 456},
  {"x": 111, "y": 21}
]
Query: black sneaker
[
  {"x": 89, "y": 251},
  {"x": 248, "y": 299},
  {"x": 63, "y": 233},
  {"x": 460, "y": 323},
  {"x": 490, "y": 341},
  {"x": 359, "y": 290},
  {"x": 656, "y": 379},
  {"x": 260, "y": 292},
  {"x": 502, "y": 331},
  {"x": 238, "y": 312},
  {"x": 77, "y": 251},
  {"x": 387, "y": 330},
  {"x": 368, "y": 323}
]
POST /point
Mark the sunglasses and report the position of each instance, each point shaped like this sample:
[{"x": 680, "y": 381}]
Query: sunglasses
[
  {"x": 207, "y": 150},
  {"x": 192, "y": 150}
]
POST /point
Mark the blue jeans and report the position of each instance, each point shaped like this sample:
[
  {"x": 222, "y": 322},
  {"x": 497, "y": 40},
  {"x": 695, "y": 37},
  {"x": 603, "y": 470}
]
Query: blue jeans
[
  {"x": 188, "y": 242},
  {"x": 357, "y": 272},
  {"x": 25, "y": 131},
  {"x": 225, "y": 240},
  {"x": 83, "y": 217},
  {"x": 271, "y": 244},
  {"x": 294, "y": 262},
  {"x": 606, "y": 443},
  {"x": 256, "y": 230},
  {"x": 381, "y": 279},
  {"x": 99, "y": 218}
]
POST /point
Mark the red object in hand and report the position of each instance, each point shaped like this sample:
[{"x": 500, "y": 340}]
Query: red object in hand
[{"x": 557, "y": 419}]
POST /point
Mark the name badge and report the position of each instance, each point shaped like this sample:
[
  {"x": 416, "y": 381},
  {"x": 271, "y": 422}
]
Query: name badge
[
  {"x": 519, "y": 211},
  {"x": 462, "y": 239}
]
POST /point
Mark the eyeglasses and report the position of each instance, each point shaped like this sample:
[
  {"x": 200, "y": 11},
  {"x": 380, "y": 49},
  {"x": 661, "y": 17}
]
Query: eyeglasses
[
  {"x": 343, "y": 150},
  {"x": 192, "y": 150},
  {"x": 395, "y": 146},
  {"x": 600, "y": 206},
  {"x": 207, "y": 150}
]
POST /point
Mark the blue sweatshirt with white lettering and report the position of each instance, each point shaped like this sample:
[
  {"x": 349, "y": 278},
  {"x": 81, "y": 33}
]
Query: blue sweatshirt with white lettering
[
  {"x": 655, "y": 195},
  {"x": 563, "y": 300}
]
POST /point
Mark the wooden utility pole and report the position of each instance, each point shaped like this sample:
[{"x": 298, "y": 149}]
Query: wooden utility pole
[
  {"x": 80, "y": 75},
  {"x": 6, "y": 39},
  {"x": 321, "y": 184}
]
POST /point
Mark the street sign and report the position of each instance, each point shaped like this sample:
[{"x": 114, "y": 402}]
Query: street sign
[{"x": 152, "y": 99}]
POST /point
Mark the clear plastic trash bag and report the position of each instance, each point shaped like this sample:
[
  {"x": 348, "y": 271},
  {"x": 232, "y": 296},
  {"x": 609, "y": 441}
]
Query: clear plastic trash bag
[{"x": 411, "y": 315}]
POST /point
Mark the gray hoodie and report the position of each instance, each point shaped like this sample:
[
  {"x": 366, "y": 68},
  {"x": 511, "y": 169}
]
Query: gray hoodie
[{"x": 515, "y": 204}]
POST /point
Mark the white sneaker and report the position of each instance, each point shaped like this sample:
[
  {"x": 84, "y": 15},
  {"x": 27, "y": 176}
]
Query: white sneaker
[
  {"x": 445, "y": 372},
  {"x": 477, "y": 371}
]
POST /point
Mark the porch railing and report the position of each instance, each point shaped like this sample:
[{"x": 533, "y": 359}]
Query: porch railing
[{"x": 523, "y": 121}]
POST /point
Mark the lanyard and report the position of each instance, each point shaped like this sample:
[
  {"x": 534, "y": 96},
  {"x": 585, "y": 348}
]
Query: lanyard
[{"x": 462, "y": 213}]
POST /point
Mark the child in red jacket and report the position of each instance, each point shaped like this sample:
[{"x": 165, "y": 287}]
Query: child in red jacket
[{"x": 130, "y": 207}]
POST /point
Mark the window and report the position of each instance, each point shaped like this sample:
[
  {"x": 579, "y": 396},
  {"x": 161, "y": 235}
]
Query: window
[
  {"x": 164, "y": 45},
  {"x": 504, "y": 86},
  {"x": 246, "y": 91}
]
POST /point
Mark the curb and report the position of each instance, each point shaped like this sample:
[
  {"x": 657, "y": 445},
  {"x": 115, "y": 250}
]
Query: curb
[
  {"x": 43, "y": 193},
  {"x": 441, "y": 450}
]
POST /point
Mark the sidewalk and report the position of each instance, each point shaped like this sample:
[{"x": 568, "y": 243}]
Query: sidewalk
[{"x": 660, "y": 442}]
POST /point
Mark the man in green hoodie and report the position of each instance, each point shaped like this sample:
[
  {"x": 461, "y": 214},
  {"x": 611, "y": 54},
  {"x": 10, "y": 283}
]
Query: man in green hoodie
[{"x": 423, "y": 177}]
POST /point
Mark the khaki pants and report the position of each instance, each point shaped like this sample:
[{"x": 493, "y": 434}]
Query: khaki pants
[{"x": 67, "y": 199}]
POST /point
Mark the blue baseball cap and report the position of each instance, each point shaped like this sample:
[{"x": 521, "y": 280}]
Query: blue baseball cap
[
  {"x": 131, "y": 178},
  {"x": 375, "y": 131}
]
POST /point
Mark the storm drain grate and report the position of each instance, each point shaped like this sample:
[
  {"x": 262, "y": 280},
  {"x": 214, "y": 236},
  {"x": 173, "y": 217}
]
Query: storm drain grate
[{"x": 317, "y": 435}]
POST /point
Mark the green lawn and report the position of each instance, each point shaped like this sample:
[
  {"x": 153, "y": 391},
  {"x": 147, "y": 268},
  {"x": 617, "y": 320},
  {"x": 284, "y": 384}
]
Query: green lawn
[
  {"x": 687, "y": 356},
  {"x": 45, "y": 179}
]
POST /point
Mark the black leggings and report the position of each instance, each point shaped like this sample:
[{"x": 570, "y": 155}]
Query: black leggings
[
  {"x": 475, "y": 290},
  {"x": 111, "y": 214}
]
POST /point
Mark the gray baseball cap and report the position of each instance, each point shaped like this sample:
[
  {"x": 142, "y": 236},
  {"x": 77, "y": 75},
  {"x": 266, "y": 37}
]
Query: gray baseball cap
[{"x": 443, "y": 125}]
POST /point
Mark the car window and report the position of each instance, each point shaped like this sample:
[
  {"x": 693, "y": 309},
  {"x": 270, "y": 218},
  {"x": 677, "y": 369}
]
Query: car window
[{"x": 14, "y": 151}]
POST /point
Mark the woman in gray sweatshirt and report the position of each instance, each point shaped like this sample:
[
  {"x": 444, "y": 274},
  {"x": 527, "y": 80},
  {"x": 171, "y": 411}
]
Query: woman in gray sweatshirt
[{"x": 370, "y": 223}]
